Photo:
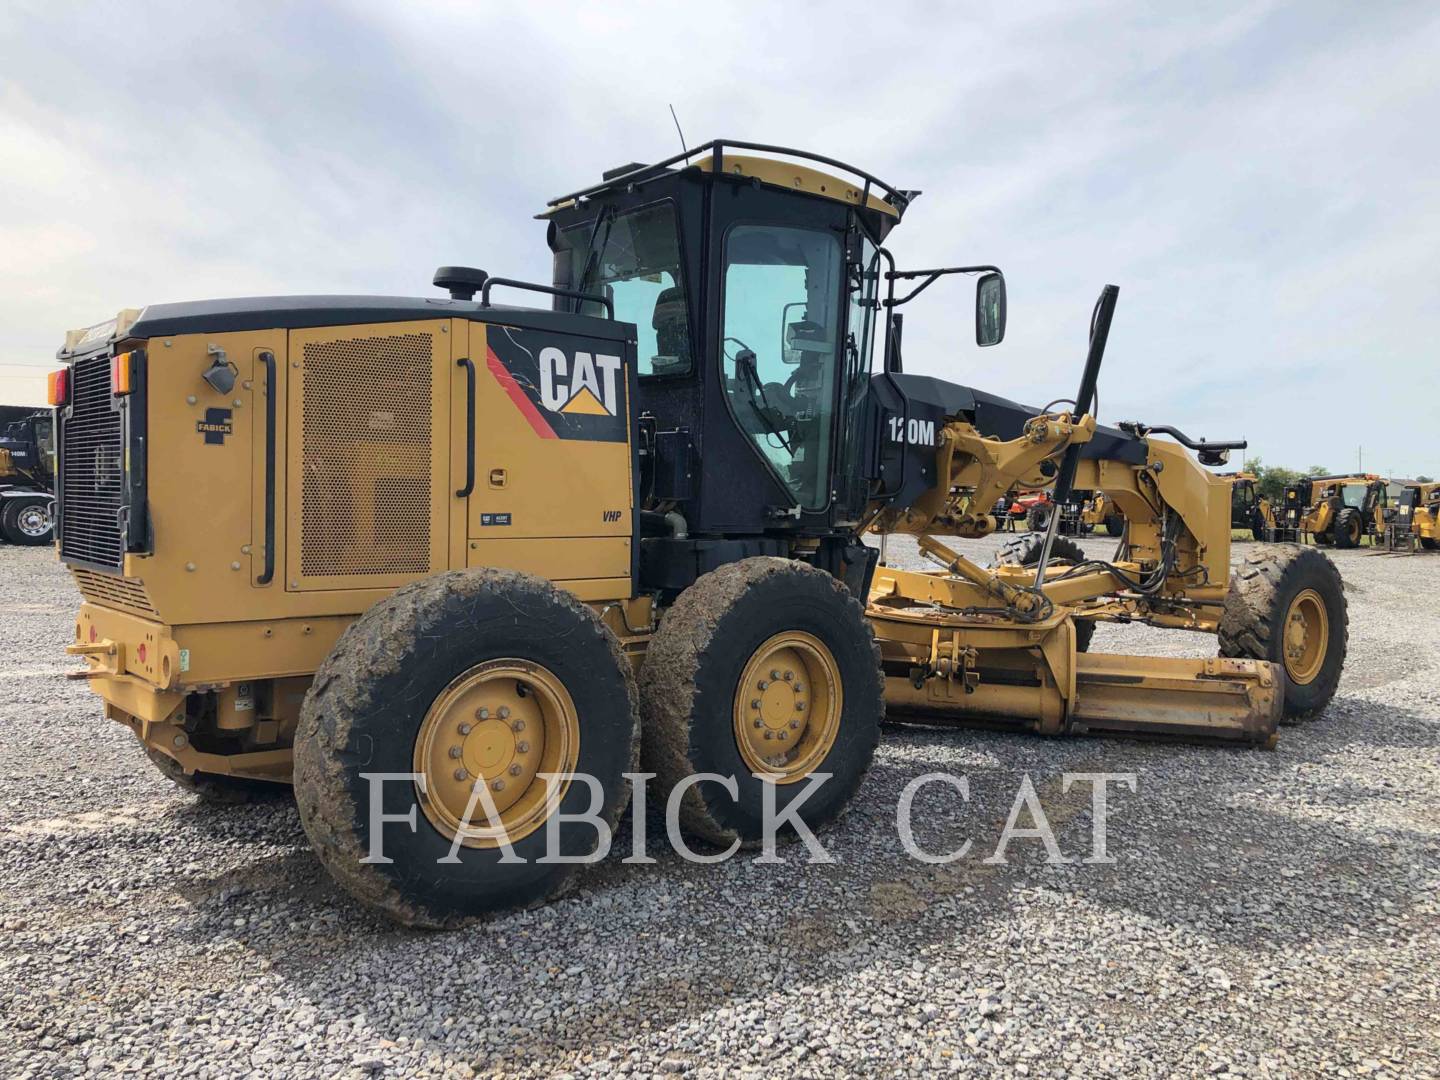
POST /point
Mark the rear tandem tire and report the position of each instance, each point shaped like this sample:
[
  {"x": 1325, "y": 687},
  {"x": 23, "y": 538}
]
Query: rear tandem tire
[
  {"x": 215, "y": 788},
  {"x": 398, "y": 694},
  {"x": 1287, "y": 605},
  {"x": 702, "y": 715},
  {"x": 1025, "y": 551}
]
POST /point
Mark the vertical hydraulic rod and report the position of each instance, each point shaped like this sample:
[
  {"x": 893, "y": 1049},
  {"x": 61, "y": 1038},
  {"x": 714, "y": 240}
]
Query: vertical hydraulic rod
[{"x": 1084, "y": 402}]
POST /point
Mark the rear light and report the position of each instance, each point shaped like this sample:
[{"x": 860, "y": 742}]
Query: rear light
[
  {"x": 120, "y": 373},
  {"x": 58, "y": 386}
]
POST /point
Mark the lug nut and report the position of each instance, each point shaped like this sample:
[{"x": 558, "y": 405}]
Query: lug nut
[
  {"x": 769, "y": 735},
  {"x": 464, "y": 729},
  {"x": 514, "y": 770},
  {"x": 754, "y": 703},
  {"x": 497, "y": 785},
  {"x": 460, "y": 774},
  {"x": 763, "y": 684},
  {"x": 455, "y": 751},
  {"x": 482, "y": 713},
  {"x": 799, "y": 706},
  {"x": 794, "y": 725},
  {"x": 789, "y": 676},
  {"x": 518, "y": 725},
  {"x": 799, "y": 689},
  {"x": 522, "y": 747},
  {"x": 759, "y": 723},
  {"x": 774, "y": 674},
  {"x": 783, "y": 736},
  {"x": 504, "y": 712}
]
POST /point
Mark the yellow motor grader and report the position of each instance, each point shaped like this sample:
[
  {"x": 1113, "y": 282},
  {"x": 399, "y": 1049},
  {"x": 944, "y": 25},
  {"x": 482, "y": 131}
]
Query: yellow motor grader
[{"x": 454, "y": 569}]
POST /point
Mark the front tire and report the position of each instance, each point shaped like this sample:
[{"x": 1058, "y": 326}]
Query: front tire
[
  {"x": 465, "y": 678},
  {"x": 1287, "y": 605},
  {"x": 1115, "y": 524},
  {"x": 768, "y": 666}
]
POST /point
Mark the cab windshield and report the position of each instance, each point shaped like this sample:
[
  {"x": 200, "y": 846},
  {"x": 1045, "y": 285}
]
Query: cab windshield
[{"x": 1354, "y": 495}]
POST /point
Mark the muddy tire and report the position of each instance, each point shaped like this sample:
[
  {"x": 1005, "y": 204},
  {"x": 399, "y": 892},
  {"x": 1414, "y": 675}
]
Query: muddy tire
[
  {"x": 27, "y": 522},
  {"x": 1036, "y": 518},
  {"x": 1287, "y": 605},
  {"x": 397, "y": 695},
  {"x": 734, "y": 626},
  {"x": 1025, "y": 550},
  {"x": 215, "y": 788},
  {"x": 1115, "y": 524}
]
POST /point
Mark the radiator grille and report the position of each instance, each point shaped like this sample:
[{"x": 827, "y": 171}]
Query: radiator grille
[
  {"x": 367, "y": 456},
  {"x": 92, "y": 475},
  {"x": 114, "y": 592}
]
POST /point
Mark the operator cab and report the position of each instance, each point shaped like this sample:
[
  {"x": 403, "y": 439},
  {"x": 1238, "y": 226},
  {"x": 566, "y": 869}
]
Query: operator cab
[{"x": 753, "y": 283}]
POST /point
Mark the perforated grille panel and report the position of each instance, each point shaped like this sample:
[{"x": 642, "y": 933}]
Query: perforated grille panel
[{"x": 366, "y": 449}]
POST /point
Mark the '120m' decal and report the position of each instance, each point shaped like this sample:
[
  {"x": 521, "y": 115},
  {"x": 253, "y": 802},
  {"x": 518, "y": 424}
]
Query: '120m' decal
[{"x": 565, "y": 387}]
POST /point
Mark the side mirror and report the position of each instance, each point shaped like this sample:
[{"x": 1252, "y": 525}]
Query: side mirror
[{"x": 990, "y": 310}]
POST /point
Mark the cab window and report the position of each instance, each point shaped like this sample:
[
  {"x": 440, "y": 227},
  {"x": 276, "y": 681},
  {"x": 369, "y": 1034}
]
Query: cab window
[
  {"x": 634, "y": 258},
  {"x": 780, "y": 347}
]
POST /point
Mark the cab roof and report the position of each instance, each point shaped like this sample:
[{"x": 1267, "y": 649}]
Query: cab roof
[{"x": 859, "y": 189}]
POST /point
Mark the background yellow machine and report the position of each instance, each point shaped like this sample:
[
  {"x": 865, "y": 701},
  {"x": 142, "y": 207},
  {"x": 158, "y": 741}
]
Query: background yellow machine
[
  {"x": 325, "y": 539},
  {"x": 1336, "y": 511}
]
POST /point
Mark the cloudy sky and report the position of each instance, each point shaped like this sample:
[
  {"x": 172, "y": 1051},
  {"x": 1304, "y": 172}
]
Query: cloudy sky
[{"x": 1259, "y": 179}]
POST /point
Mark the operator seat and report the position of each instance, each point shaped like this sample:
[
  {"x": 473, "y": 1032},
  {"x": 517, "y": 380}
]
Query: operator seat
[{"x": 672, "y": 333}]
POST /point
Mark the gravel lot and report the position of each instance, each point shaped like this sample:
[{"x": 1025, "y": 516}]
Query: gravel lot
[{"x": 1270, "y": 914}]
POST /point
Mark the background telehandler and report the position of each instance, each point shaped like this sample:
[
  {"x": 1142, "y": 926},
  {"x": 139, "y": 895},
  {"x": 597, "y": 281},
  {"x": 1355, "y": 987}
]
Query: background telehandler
[
  {"x": 1337, "y": 511},
  {"x": 326, "y": 538},
  {"x": 1249, "y": 510}
]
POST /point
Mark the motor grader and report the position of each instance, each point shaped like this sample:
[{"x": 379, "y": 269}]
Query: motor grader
[
  {"x": 452, "y": 568},
  {"x": 1336, "y": 511}
]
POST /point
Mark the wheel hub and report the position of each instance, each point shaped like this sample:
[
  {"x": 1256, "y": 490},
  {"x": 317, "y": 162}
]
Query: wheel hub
[
  {"x": 1306, "y": 636},
  {"x": 33, "y": 521},
  {"x": 489, "y": 735},
  {"x": 787, "y": 706}
]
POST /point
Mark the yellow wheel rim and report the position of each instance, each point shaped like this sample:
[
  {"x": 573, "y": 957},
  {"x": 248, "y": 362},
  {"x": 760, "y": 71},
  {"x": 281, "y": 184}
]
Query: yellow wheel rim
[
  {"x": 493, "y": 731},
  {"x": 1306, "y": 637},
  {"x": 787, "y": 706}
]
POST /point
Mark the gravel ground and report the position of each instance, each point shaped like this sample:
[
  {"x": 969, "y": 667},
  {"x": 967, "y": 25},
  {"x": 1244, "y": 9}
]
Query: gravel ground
[{"x": 1270, "y": 914}]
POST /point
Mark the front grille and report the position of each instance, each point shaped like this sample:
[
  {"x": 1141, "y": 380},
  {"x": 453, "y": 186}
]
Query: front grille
[
  {"x": 366, "y": 444},
  {"x": 114, "y": 592},
  {"x": 92, "y": 473}
]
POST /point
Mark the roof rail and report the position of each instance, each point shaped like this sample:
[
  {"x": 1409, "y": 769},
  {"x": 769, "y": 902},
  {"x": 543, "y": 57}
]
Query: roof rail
[{"x": 716, "y": 149}]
